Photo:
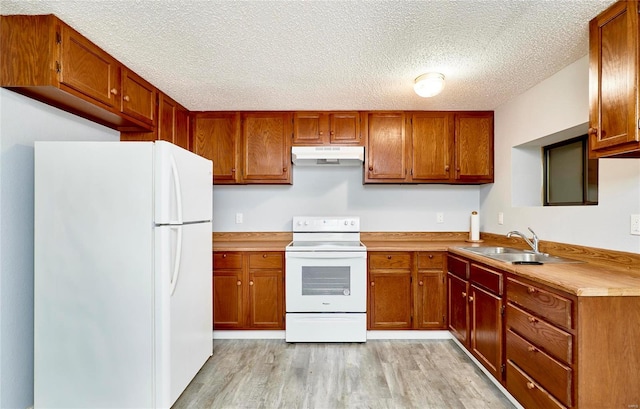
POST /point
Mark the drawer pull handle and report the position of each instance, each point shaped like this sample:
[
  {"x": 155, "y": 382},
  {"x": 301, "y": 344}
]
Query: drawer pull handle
[
  {"x": 531, "y": 348},
  {"x": 224, "y": 255},
  {"x": 531, "y": 385},
  {"x": 532, "y": 320},
  {"x": 531, "y": 290},
  {"x": 264, "y": 256},
  {"x": 430, "y": 256},
  {"x": 238, "y": 282},
  {"x": 388, "y": 257}
]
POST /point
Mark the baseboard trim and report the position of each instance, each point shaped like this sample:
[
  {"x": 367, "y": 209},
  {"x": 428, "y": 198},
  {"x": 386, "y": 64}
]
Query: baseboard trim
[
  {"x": 371, "y": 335},
  {"x": 488, "y": 374}
]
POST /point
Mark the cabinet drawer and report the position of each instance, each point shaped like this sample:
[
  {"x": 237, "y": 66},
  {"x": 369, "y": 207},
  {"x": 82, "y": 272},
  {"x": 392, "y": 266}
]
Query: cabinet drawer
[
  {"x": 529, "y": 393},
  {"x": 549, "y": 373},
  {"x": 551, "y": 306},
  {"x": 489, "y": 279},
  {"x": 267, "y": 259},
  {"x": 222, "y": 260},
  {"x": 390, "y": 260},
  {"x": 544, "y": 336},
  {"x": 428, "y": 260},
  {"x": 458, "y": 267}
]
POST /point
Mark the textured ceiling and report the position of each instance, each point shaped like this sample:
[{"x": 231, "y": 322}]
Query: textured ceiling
[{"x": 364, "y": 55}]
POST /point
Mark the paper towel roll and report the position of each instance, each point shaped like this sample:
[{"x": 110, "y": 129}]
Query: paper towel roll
[{"x": 474, "y": 231}]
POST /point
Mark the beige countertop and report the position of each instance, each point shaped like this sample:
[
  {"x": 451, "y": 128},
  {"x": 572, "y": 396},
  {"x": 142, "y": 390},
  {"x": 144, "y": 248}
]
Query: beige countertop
[{"x": 591, "y": 278}]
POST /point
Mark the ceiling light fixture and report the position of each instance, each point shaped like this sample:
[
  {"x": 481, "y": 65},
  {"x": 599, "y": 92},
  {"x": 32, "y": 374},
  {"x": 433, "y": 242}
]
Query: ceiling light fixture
[{"x": 429, "y": 84}]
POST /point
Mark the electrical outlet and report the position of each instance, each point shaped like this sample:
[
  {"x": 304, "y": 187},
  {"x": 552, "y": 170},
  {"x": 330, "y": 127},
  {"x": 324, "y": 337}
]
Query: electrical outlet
[
  {"x": 238, "y": 218},
  {"x": 439, "y": 217},
  {"x": 635, "y": 224},
  {"x": 500, "y": 218}
]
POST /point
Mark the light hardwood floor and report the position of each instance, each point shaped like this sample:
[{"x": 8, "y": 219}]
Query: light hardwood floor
[{"x": 378, "y": 374}]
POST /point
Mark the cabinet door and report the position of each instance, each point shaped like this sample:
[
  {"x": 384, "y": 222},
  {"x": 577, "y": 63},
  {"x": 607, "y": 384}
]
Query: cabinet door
[
  {"x": 216, "y": 137},
  {"x": 431, "y": 146},
  {"x": 309, "y": 128},
  {"x": 386, "y": 159},
  {"x": 266, "y": 299},
  {"x": 166, "y": 118},
  {"x": 474, "y": 147},
  {"x": 227, "y": 299},
  {"x": 614, "y": 83},
  {"x": 266, "y": 147},
  {"x": 181, "y": 133},
  {"x": 431, "y": 300},
  {"x": 138, "y": 97},
  {"x": 458, "y": 308},
  {"x": 344, "y": 128},
  {"x": 389, "y": 299},
  {"x": 89, "y": 70},
  {"x": 486, "y": 329}
]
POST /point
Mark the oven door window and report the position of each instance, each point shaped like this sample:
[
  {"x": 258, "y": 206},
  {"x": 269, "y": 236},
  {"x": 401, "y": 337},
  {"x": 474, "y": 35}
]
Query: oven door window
[{"x": 326, "y": 280}]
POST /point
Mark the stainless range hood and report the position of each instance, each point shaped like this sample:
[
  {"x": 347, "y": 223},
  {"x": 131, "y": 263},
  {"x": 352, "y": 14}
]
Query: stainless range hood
[{"x": 327, "y": 155}]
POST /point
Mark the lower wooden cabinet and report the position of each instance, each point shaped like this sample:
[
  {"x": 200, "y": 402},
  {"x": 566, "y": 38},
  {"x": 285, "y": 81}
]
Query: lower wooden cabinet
[
  {"x": 248, "y": 290},
  {"x": 406, "y": 290}
]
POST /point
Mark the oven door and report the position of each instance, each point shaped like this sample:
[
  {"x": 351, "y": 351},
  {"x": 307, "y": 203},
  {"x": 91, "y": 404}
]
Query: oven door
[{"x": 331, "y": 281}]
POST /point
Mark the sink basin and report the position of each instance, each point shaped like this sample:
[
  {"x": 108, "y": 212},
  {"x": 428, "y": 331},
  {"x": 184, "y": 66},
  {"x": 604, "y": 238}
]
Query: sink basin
[
  {"x": 494, "y": 250},
  {"x": 517, "y": 256}
]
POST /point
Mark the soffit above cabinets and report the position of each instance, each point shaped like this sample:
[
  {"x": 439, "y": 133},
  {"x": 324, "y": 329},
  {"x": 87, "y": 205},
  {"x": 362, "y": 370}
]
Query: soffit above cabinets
[{"x": 317, "y": 55}]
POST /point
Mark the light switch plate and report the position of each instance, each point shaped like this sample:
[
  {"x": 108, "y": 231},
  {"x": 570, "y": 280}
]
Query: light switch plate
[
  {"x": 635, "y": 225},
  {"x": 239, "y": 218}
]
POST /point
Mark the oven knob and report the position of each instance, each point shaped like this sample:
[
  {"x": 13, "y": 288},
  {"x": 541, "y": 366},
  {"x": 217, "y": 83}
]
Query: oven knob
[
  {"x": 346, "y": 222},
  {"x": 353, "y": 222},
  {"x": 306, "y": 223}
]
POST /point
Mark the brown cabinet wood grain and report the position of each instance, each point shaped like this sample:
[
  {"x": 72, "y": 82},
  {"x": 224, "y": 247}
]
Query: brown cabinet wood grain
[
  {"x": 248, "y": 290},
  {"x": 430, "y": 291},
  {"x": 387, "y": 147},
  {"x": 474, "y": 147},
  {"x": 389, "y": 295},
  {"x": 458, "y": 307},
  {"x": 216, "y": 136},
  {"x": 431, "y": 135},
  {"x": 266, "y": 147},
  {"x": 614, "y": 81},
  {"x": 485, "y": 329},
  {"x": 45, "y": 59},
  {"x": 326, "y": 128}
]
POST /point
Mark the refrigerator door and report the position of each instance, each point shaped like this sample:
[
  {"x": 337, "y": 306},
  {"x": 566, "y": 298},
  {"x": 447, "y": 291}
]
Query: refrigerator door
[
  {"x": 185, "y": 313},
  {"x": 183, "y": 183}
]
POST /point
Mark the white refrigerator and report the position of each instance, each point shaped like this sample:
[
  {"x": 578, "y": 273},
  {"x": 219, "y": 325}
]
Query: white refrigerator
[{"x": 123, "y": 273}]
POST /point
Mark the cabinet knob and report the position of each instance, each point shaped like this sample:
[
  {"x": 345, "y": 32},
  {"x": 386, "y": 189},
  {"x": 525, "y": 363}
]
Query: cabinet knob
[
  {"x": 531, "y": 348},
  {"x": 470, "y": 298},
  {"x": 530, "y": 385},
  {"x": 264, "y": 256},
  {"x": 430, "y": 256},
  {"x": 114, "y": 91},
  {"x": 531, "y": 290},
  {"x": 373, "y": 284},
  {"x": 420, "y": 283},
  {"x": 233, "y": 170},
  {"x": 320, "y": 133},
  {"x": 593, "y": 131},
  {"x": 238, "y": 282},
  {"x": 332, "y": 132},
  {"x": 224, "y": 255},
  {"x": 250, "y": 282},
  {"x": 532, "y": 320},
  {"x": 371, "y": 168},
  {"x": 126, "y": 98},
  {"x": 457, "y": 169},
  {"x": 388, "y": 257},
  {"x": 464, "y": 295},
  {"x": 446, "y": 168},
  {"x": 284, "y": 169}
]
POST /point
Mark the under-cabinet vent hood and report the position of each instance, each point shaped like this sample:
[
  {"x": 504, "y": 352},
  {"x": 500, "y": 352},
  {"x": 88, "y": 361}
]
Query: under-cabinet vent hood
[{"x": 327, "y": 155}]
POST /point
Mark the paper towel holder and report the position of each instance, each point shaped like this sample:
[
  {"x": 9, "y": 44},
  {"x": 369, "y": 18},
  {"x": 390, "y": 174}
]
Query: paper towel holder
[{"x": 474, "y": 215}]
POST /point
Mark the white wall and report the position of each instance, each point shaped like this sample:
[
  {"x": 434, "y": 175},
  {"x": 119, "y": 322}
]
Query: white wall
[
  {"x": 339, "y": 191},
  {"x": 554, "y": 105},
  {"x": 23, "y": 121}
]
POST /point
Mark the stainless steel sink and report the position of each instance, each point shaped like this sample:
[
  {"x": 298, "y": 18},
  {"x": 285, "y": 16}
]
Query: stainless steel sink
[{"x": 517, "y": 256}]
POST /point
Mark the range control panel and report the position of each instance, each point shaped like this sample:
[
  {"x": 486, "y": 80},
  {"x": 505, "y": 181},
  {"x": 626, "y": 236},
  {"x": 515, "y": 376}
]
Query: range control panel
[{"x": 326, "y": 224}]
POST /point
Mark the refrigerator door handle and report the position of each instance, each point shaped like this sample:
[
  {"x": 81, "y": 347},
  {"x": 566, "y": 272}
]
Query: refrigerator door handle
[
  {"x": 178, "y": 190},
  {"x": 176, "y": 263}
]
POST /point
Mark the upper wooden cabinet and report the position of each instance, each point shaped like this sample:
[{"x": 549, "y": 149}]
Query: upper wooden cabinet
[
  {"x": 216, "y": 136},
  {"x": 614, "y": 81},
  {"x": 327, "y": 128},
  {"x": 266, "y": 147},
  {"x": 47, "y": 60},
  {"x": 474, "y": 147},
  {"x": 429, "y": 147},
  {"x": 386, "y": 141}
]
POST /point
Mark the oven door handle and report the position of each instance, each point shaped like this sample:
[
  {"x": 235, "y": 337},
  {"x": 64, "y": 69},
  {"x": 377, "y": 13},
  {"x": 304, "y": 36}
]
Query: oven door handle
[{"x": 326, "y": 255}]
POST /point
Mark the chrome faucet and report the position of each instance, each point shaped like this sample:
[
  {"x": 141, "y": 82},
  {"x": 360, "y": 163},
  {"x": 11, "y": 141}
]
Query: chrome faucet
[{"x": 534, "y": 244}]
